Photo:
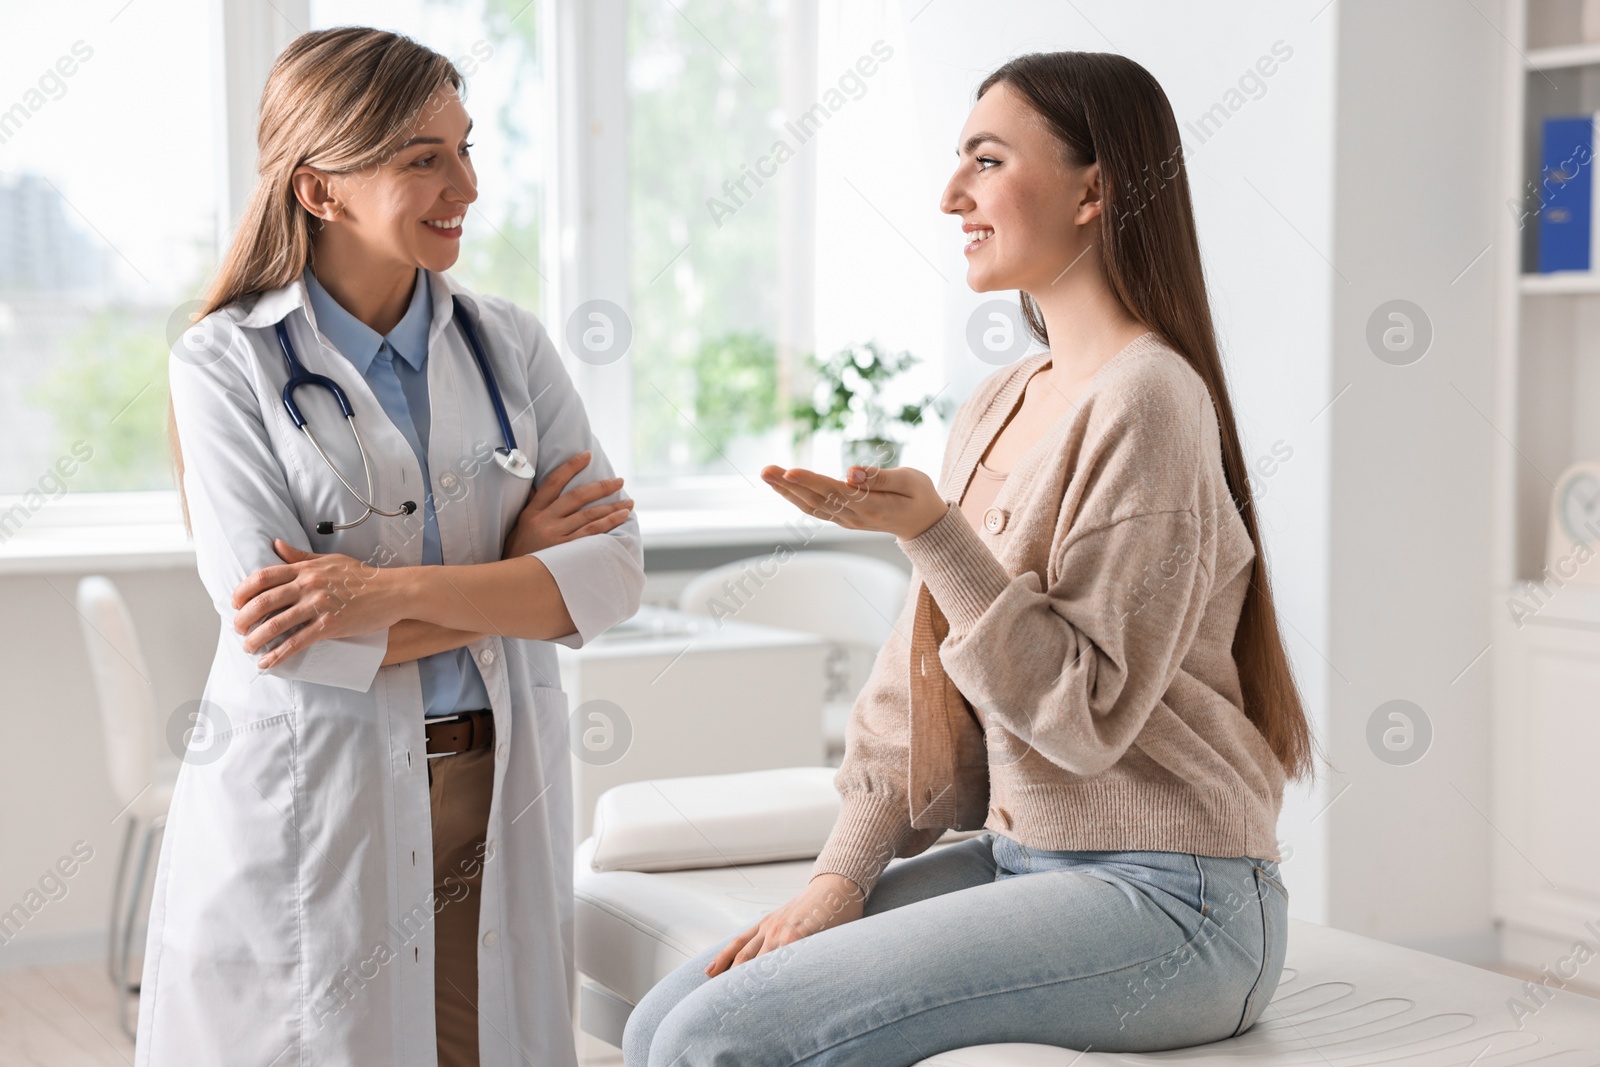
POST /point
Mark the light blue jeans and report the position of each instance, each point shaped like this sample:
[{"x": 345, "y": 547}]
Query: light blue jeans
[{"x": 989, "y": 941}]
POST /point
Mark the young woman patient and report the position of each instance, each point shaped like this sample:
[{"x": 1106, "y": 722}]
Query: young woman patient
[{"x": 1088, "y": 665}]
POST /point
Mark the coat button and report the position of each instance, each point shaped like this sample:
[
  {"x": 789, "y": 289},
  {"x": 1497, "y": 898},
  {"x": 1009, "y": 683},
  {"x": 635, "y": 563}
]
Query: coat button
[
  {"x": 486, "y": 657},
  {"x": 448, "y": 479},
  {"x": 994, "y": 520},
  {"x": 490, "y": 938}
]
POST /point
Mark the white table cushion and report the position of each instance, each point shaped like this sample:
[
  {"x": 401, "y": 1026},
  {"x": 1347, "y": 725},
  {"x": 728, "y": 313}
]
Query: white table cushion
[
  {"x": 1344, "y": 1000},
  {"x": 715, "y": 820}
]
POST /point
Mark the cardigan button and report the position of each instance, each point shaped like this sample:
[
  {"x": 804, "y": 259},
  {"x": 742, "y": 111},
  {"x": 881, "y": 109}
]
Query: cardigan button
[
  {"x": 994, "y": 520},
  {"x": 1003, "y": 815}
]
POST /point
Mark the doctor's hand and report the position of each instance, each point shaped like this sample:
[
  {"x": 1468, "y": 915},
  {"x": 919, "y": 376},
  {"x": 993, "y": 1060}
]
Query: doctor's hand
[
  {"x": 550, "y": 518},
  {"x": 898, "y": 500},
  {"x": 828, "y": 900},
  {"x": 325, "y": 594}
]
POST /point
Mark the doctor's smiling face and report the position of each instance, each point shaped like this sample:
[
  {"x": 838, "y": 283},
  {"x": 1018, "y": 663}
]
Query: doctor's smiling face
[
  {"x": 404, "y": 211},
  {"x": 1026, "y": 214}
]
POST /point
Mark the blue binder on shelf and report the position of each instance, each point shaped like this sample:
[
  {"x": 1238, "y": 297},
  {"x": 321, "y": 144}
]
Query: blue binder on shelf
[{"x": 1567, "y": 232}]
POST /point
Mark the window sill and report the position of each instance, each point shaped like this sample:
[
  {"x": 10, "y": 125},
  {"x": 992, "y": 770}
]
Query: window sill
[{"x": 82, "y": 547}]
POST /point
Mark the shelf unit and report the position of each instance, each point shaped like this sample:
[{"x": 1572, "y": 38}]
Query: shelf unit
[
  {"x": 1573, "y": 55},
  {"x": 1561, "y": 282},
  {"x": 1546, "y": 664}
]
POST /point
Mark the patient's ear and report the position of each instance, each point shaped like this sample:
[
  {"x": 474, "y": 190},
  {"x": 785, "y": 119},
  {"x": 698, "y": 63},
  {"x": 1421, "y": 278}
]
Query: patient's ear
[{"x": 1093, "y": 202}]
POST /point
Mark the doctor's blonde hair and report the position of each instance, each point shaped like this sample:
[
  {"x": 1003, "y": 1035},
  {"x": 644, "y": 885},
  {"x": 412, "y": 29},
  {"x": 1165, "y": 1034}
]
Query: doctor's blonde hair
[{"x": 339, "y": 100}]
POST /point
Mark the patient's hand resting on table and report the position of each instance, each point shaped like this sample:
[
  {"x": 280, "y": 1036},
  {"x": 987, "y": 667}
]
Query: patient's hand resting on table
[{"x": 828, "y": 900}]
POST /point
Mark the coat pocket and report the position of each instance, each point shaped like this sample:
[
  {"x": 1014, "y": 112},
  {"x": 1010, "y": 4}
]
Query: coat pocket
[
  {"x": 228, "y": 985},
  {"x": 554, "y": 730}
]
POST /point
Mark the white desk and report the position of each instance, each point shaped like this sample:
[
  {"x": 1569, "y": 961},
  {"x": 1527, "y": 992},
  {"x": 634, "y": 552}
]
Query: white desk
[{"x": 669, "y": 694}]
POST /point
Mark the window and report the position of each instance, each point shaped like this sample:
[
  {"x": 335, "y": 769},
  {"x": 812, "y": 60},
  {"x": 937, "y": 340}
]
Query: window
[
  {"x": 766, "y": 148},
  {"x": 714, "y": 209},
  {"x": 107, "y": 225},
  {"x": 114, "y": 208}
]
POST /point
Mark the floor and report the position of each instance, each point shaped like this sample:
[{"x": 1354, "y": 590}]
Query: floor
[
  {"x": 64, "y": 1016},
  {"x": 60, "y": 1016}
]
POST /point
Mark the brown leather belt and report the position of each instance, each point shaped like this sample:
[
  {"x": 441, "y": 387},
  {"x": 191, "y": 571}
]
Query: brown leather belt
[{"x": 462, "y": 731}]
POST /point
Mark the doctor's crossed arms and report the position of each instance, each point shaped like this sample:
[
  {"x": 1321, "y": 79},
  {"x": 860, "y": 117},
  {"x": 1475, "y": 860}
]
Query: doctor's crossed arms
[
  {"x": 319, "y": 592},
  {"x": 552, "y": 516}
]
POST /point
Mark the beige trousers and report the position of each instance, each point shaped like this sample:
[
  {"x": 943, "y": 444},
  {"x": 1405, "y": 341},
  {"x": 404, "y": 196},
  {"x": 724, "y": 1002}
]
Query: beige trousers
[{"x": 459, "y": 790}]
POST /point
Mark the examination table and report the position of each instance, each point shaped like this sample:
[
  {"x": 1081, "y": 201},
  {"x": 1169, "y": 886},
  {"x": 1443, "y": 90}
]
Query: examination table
[{"x": 678, "y": 864}]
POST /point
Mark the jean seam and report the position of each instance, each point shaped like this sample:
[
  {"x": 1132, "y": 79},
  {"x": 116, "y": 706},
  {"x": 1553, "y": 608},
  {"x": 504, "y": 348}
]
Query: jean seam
[
  {"x": 1261, "y": 975},
  {"x": 1274, "y": 882},
  {"x": 1002, "y": 992},
  {"x": 1261, "y": 902}
]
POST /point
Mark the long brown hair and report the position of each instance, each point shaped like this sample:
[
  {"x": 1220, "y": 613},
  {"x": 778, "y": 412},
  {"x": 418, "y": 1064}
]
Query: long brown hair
[
  {"x": 1108, "y": 109},
  {"x": 336, "y": 99}
]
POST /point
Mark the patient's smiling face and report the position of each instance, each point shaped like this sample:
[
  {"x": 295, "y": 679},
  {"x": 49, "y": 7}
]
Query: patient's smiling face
[{"x": 1014, "y": 182}]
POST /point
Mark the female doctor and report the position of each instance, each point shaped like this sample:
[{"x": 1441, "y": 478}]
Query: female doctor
[{"x": 368, "y": 854}]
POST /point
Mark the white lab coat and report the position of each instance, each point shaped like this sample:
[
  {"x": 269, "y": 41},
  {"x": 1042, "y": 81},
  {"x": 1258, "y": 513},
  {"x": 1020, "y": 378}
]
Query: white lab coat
[{"x": 291, "y": 917}]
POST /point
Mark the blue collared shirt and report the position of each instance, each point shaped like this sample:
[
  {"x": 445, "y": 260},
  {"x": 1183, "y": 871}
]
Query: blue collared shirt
[{"x": 450, "y": 680}]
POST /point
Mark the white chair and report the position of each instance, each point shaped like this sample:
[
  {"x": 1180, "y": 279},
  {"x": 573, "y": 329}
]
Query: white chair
[
  {"x": 1343, "y": 999},
  {"x": 141, "y": 780},
  {"x": 847, "y": 599}
]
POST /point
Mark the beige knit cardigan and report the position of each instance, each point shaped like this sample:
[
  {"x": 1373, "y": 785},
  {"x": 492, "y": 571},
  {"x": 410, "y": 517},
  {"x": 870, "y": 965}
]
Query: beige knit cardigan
[{"x": 1065, "y": 675}]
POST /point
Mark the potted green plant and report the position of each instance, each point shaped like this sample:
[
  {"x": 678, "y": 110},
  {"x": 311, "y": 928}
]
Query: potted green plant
[{"x": 848, "y": 397}]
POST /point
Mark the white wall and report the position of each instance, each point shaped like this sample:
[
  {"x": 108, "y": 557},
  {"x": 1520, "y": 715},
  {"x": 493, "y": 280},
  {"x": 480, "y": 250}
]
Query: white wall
[{"x": 1415, "y": 184}]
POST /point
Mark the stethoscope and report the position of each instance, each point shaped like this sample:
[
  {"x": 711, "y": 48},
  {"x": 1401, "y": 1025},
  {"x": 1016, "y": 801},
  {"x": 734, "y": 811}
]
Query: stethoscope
[{"x": 508, "y": 455}]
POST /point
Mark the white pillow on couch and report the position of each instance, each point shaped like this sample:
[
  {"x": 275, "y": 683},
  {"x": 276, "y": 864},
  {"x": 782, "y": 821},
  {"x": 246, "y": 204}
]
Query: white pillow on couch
[{"x": 715, "y": 820}]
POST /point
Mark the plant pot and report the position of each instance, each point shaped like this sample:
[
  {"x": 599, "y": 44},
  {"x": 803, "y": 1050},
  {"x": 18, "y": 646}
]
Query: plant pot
[{"x": 871, "y": 452}]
